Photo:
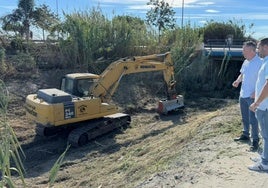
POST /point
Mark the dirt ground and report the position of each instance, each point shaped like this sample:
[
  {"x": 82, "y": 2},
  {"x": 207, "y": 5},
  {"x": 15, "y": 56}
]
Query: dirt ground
[
  {"x": 217, "y": 162},
  {"x": 209, "y": 158}
]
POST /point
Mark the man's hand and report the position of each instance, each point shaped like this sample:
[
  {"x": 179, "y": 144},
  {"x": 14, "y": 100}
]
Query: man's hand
[
  {"x": 236, "y": 83},
  {"x": 253, "y": 106}
]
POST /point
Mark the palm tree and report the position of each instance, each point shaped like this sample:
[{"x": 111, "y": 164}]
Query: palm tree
[{"x": 21, "y": 19}]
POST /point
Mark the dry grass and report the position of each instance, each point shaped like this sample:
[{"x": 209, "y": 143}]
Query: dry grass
[{"x": 147, "y": 147}]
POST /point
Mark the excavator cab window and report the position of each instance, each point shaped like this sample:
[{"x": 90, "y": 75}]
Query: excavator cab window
[
  {"x": 83, "y": 86},
  {"x": 67, "y": 85},
  {"x": 77, "y": 87}
]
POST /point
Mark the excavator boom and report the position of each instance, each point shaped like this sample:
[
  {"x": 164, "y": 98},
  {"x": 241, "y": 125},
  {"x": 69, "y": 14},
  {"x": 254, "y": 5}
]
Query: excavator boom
[{"x": 110, "y": 78}]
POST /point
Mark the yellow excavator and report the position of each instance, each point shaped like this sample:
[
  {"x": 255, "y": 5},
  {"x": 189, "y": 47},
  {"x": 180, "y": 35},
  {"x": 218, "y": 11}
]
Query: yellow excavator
[{"x": 82, "y": 106}]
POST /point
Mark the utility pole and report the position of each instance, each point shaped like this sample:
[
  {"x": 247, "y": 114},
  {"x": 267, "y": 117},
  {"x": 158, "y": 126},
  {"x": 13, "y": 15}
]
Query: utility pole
[
  {"x": 182, "y": 13},
  {"x": 57, "y": 7}
]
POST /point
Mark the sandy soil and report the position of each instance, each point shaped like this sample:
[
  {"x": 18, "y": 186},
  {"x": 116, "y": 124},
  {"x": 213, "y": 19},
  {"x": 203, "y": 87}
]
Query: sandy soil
[{"x": 216, "y": 162}]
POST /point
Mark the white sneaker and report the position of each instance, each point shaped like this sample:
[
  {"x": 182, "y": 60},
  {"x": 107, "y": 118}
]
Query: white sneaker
[{"x": 258, "y": 167}]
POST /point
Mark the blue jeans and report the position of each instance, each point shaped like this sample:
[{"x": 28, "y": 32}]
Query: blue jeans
[
  {"x": 262, "y": 117},
  {"x": 249, "y": 118}
]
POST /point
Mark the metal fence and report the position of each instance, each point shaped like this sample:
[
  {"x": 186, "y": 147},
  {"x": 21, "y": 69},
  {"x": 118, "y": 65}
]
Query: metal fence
[{"x": 224, "y": 43}]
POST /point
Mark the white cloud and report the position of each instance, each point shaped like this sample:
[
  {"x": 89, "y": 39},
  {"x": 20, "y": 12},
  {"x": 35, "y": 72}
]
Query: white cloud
[
  {"x": 138, "y": 7},
  {"x": 179, "y": 3},
  {"x": 212, "y": 11},
  {"x": 202, "y": 21},
  {"x": 206, "y": 3}
]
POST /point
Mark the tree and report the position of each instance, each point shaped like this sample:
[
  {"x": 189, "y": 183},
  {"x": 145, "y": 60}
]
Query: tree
[
  {"x": 20, "y": 20},
  {"x": 161, "y": 15},
  {"x": 221, "y": 30},
  {"x": 44, "y": 18}
]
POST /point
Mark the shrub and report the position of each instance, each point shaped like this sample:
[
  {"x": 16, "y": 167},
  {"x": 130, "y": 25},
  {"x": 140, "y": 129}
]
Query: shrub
[{"x": 23, "y": 62}]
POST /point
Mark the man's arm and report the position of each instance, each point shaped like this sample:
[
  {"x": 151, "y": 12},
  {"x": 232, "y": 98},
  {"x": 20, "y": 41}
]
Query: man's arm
[
  {"x": 263, "y": 95},
  {"x": 238, "y": 80}
]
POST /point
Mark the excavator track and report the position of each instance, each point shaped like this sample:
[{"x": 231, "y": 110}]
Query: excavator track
[
  {"x": 45, "y": 131},
  {"x": 81, "y": 135}
]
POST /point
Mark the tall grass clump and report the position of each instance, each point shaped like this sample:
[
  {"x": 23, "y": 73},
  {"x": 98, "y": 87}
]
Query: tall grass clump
[
  {"x": 130, "y": 36},
  {"x": 85, "y": 33},
  {"x": 89, "y": 35},
  {"x": 10, "y": 150},
  {"x": 3, "y": 67},
  {"x": 185, "y": 50},
  {"x": 56, "y": 167}
]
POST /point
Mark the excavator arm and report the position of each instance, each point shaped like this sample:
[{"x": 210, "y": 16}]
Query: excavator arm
[{"x": 110, "y": 78}]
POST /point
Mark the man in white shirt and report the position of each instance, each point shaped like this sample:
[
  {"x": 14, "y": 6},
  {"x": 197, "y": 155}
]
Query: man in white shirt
[
  {"x": 248, "y": 77},
  {"x": 260, "y": 107}
]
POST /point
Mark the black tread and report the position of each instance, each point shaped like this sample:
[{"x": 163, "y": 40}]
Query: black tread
[{"x": 98, "y": 128}]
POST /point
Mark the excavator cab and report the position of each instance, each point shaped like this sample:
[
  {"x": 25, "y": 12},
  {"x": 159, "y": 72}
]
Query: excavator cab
[{"x": 78, "y": 84}]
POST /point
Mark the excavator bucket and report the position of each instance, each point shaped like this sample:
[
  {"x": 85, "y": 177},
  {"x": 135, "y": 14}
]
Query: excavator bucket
[{"x": 165, "y": 105}]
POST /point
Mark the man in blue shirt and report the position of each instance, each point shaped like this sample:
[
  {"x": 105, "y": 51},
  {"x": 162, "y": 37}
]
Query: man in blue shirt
[
  {"x": 260, "y": 106},
  {"x": 248, "y": 77}
]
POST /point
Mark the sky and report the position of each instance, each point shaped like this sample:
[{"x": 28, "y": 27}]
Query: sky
[{"x": 195, "y": 12}]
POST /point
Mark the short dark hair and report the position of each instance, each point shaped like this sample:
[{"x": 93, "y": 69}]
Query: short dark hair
[
  {"x": 264, "y": 42},
  {"x": 251, "y": 44}
]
